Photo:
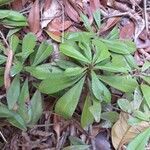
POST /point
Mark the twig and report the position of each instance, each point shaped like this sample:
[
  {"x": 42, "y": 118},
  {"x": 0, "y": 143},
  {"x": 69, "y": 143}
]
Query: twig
[
  {"x": 146, "y": 17},
  {"x": 3, "y": 137}
]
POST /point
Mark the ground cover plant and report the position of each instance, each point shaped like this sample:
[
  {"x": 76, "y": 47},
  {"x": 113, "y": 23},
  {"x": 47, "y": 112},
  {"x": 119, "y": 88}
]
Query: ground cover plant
[{"x": 72, "y": 77}]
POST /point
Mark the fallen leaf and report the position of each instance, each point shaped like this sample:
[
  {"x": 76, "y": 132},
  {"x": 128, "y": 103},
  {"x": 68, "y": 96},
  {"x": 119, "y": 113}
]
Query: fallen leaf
[
  {"x": 122, "y": 132},
  {"x": 55, "y": 35},
  {"x": 127, "y": 31},
  {"x": 59, "y": 25},
  {"x": 111, "y": 22},
  {"x": 71, "y": 12},
  {"x": 34, "y": 17},
  {"x": 94, "y": 5},
  {"x": 17, "y": 5}
]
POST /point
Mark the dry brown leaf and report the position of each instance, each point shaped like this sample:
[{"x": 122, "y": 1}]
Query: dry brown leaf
[
  {"x": 111, "y": 22},
  {"x": 58, "y": 25},
  {"x": 51, "y": 13},
  {"x": 94, "y": 4},
  {"x": 71, "y": 12},
  {"x": 47, "y": 4},
  {"x": 17, "y": 5},
  {"x": 122, "y": 133},
  {"x": 127, "y": 31},
  {"x": 34, "y": 17},
  {"x": 7, "y": 79}
]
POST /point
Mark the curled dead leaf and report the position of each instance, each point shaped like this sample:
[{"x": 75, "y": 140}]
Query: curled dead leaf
[
  {"x": 122, "y": 132},
  {"x": 34, "y": 17}
]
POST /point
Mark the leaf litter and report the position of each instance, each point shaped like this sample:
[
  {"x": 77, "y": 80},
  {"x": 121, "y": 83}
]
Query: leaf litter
[{"x": 57, "y": 18}]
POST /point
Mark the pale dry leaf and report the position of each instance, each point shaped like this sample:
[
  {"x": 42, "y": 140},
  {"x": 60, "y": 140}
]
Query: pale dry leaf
[
  {"x": 122, "y": 132},
  {"x": 7, "y": 79},
  {"x": 51, "y": 13},
  {"x": 71, "y": 12},
  {"x": 17, "y": 5},
  {"x": 127, "y": 31},
  {"x": 34, "y": 17}
]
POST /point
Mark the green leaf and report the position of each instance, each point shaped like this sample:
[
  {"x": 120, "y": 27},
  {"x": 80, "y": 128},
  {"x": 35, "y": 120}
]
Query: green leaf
[
  {"x": 146, "y": 66},
  {"x": 114, "y": 34},
  {"x": 125, "y": 105},
  {"x": 28, "y": 44},
  {"x": 140, "y": 141},
  {"x": 140, "y": 115},
  {"x": 101, "y": 53},
  {"x": 23, "y": 98},
  {"x": 16, "y": 68},
  {"x": 70, "y": 51},
  {"x": 146, "y": 79},
  {"x": 87, "y": 117},
  {"x": 13, "y": 92},
  {"x": 66, "y": 105},
  {"x": 86, "y": 22},
  {"x": 95, "y": 109},
  {"x": 12, "y": 16},
  {"x": 43, "y": 52},
  {"x": 36, "y": 108},
  {"x": 5, "y": 112},
  {"x": 117, "y": 64},
  {"x": 131, "y": 61},
  {"x": 120, "y": 47},
  {"x": 75, "y": 140},
  {"x": 13, "y": 41},
  {"x": 99, "y": 89},
  {"x": 2, "y": 59},
  {"x": 17, "y": 121},
  {"x": 111, "y": 116},
  {"x": 124, "y": 83},
  {"x": 2, "y": 2},
  {"x": 146, "y": 92},
  {"x": 40, "y": 72},
  {"x": 13, "y": 31},
  {"x": 97, "y": 17},
  {"x": 77, "y": 147},
  {"x": 57, "y": 82}
]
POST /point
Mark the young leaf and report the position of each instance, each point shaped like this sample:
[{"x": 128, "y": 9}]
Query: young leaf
[
  {"x": 28, "y": 45},
  {"x": 13, "y": 92},
  {"x": 140, "y": 115},
  {"x": 66, "y": 105},
  {"x": 111, "y": 116},
  {"x": 17, "y": 121},
  {"x": 36, "y": 108},
  {"x": 97, "y": 17},
  {"x": 95, "y": 109},
  {"x": 139, "y": 142},
  {"x": 146, "y": 92},
  {"x": 57, "y": 82},
  {"x": 86, "y": 22},
  {"x": 99, "y": 89},
  {"x": 114, "y": 34},
  {"x": 2, "y": 59},
  {"x": 43, "y": 52},
  {"x": 13, "y": 41},
  {"x": 146, "y": 79},
  {"x": 123, "y": 83},
  {"x": 125, "y": 105},
  {"x": 23, "y": 98},
  {"x": 145, "y": 66},
  {"x": 16, "y": 68},
  {"x": 86, "y": 117},
  {"x": 5, "y": 112},
  {"x": 70, "y": 51},
  {"x": 101, "y": 53}
]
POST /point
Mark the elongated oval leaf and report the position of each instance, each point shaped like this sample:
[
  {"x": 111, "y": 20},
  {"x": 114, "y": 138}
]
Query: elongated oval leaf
[
  {"x": 13, "y": 92},
  {"x": 43, "y": 52},
  {"x": 66, "y": 105},
  {"x": 86, "y": 117},
  {"x": 146, "y": 92},
  {"x": 123, "y": 83},
  {"x": 99, "y": 89},
  {"x": 70, "y": 51},
  {"x": 36, "y": 108},
  {"x": 57, "y": 82},
  {"x": 77, "y": 147}
]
